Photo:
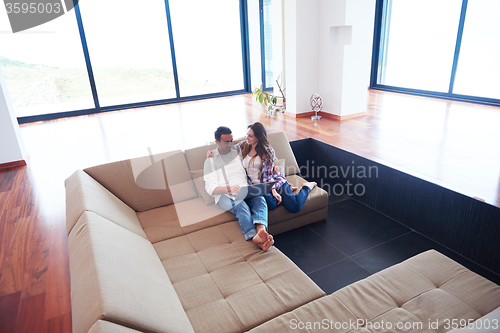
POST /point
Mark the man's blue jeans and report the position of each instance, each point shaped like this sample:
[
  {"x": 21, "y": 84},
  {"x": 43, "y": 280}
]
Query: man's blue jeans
[{"x": 248, "y": 212}]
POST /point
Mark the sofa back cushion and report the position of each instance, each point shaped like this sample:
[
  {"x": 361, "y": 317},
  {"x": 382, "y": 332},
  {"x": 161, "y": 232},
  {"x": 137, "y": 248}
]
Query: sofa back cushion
[
  {"x": 196, "y": 156},
  {"x": 278, "y": 140},
  {"x": 83, "y": 194},
  {"x": 147, "y": 182},
  {"x": 281, "y": 146},
  {"x": 117, "y": 276}
]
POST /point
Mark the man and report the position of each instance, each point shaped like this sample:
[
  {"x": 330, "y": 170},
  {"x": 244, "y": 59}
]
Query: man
[{"x": 224, "y": 176}]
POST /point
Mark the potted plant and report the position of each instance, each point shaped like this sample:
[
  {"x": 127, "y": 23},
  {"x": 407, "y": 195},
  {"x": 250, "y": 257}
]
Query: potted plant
[{"x": 270, "y": 100}]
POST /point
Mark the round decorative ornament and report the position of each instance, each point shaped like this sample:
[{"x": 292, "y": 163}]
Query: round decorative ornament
[{"x": 316, "y": 105}]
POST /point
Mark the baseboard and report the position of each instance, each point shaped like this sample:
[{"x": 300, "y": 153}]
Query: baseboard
[
  {"x": 12, "y": 164},
  {"x": 327, "y": 115},
  {"x": 304, "y": 114}
]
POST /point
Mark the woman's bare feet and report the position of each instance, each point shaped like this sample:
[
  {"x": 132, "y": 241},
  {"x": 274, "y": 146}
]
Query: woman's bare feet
[{"x": 311, "y": 185}]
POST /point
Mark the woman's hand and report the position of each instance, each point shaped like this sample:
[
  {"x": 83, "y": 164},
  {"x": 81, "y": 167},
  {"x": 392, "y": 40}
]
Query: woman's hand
[
  {"x": 276, "y": 169},
  {"x": 293, "y": 188},
  {"x": 210, "y": 154},
  {"x": 276, "y": 195}
]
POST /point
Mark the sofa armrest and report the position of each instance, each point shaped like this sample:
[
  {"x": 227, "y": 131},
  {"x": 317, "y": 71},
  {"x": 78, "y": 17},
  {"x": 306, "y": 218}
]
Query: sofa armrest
[
  {"x": 116, "y": 276},
  {"x": 102, "y": 326}
]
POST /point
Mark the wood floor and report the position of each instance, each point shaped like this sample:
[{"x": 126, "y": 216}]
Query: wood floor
[{"x": 453, "y": 144}]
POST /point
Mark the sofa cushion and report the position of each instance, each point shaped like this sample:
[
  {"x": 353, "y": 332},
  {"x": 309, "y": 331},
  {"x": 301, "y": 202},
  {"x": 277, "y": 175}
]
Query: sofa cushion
[
  {"x": 181, "y": 218},
  {"x": 83, "y": 193},
  {"x": 147, "y": 182},
  {"x": 486, "y": 324},
  {"x": 428, "y": 288},
  {"x": 227, "y": 284},
  {"x": 116, "y": 276}
]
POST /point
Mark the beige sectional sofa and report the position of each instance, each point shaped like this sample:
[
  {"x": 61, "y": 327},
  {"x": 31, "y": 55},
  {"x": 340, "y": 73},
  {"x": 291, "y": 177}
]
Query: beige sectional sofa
[{"x": 150, "y": 252}]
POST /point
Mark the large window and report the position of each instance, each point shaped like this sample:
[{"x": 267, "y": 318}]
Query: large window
[
  {"x": 446, "y": 48},
  {"x": 107, "y": 55},
  {"x": 44, "y": 67},
  {"x": 129, "y": 50},
  {"x": 208, "y": 45},
  {"x": 478, "y": 71}
]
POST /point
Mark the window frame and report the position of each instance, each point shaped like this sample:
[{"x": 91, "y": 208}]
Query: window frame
[
  {"x": 382, "y": 13},
  {"x": 263, "y": 47},
  {"x": 99, "y": 109}
]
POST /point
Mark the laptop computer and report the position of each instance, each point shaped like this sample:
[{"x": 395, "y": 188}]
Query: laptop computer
[{"x": 250, "y": 191}]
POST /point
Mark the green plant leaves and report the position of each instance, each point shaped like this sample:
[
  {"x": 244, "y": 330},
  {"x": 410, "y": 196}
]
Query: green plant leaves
[{"x": 265, "y": 98}]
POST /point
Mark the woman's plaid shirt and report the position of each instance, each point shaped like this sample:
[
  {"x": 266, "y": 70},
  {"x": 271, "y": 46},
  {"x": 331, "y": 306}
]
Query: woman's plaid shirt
[{"x": 266, "y": 173}]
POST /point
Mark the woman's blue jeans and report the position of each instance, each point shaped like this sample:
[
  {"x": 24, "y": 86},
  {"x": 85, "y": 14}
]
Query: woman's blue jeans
[{"x": 293, "y": 203}]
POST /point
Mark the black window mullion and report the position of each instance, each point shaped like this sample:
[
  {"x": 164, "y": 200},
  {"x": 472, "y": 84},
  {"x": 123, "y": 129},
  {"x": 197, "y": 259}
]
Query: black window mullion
[
  {"x": 385, "y": 32},
  {"x": 86, "y": 54},
  {"x": 377, "y": 36},
  {"x": 458, "y": 45},
  {"x": 262, "y": 44},
  {"x": 245, "y": 53},
  {"x": 172, "y": 49}
]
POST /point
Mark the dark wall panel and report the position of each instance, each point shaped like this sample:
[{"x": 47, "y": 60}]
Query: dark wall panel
[{"x": 463, "y": 224}]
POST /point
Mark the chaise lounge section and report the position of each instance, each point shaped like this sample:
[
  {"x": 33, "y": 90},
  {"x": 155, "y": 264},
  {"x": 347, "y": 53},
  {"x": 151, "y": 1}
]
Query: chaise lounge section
[{"x": 151, "y": 252}]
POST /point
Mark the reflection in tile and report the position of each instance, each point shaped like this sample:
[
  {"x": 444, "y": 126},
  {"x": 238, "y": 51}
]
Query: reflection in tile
[
  {"x": 338, "y": 275},
  {"x": 307, "y": 249},
  {"x": 353, "y": 227}
]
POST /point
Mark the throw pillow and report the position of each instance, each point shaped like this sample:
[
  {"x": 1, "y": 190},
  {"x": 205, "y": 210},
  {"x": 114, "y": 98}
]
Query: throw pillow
[{"x": 199, "y": 183}]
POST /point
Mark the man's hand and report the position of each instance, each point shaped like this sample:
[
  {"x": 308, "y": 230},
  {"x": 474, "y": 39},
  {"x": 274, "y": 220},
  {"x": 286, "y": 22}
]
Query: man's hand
[{"x": 234, "y": 189}]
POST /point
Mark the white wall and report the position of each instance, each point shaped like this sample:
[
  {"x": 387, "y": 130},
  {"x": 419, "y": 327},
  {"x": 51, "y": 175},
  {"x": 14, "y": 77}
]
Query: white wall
[
  {"x": 327, "y": 50},
  {"x": 308, "y": 50},
  {"x": 331, "y": 57},
  {"x": 11, "y": 143},
  {"x": 360, "y": 14},
  {"x": 290, "y": 53},
  {"x": 301, "y": 26}
]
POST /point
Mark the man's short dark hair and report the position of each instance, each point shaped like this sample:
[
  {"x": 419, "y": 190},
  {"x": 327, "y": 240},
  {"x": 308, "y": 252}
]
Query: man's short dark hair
[{"x": 220, "y": 131}]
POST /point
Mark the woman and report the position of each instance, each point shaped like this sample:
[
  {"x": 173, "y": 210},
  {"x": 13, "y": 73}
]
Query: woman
[{"x": 258, "y": 157}]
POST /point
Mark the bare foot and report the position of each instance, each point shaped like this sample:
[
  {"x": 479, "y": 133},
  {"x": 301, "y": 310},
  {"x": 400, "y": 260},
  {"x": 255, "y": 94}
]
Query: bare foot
[
  {"x": 293, "y": 188},
  {"x": 311, "y": 185},
  {"x": 263, "y": 240},
  {"x": 268, "y": 243},
  {"x": 261, "y": 237}
]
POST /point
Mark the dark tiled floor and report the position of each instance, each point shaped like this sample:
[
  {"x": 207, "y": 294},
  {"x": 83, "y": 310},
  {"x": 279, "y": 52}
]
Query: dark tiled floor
[{"x": 354, "y": 242}]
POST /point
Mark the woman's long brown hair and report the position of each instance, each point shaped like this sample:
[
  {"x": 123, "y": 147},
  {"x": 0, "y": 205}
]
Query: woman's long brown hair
[{"x": 260, "y": 133}]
